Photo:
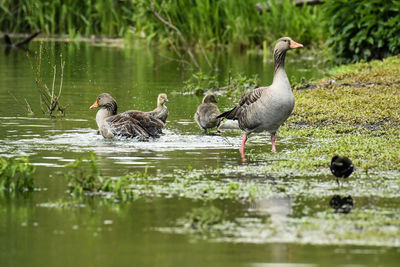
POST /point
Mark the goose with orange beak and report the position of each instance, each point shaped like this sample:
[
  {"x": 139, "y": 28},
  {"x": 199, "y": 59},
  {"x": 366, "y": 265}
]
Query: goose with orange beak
[
  {"x": 266, "y": 108},
  {"x": 129, "y": 124}
]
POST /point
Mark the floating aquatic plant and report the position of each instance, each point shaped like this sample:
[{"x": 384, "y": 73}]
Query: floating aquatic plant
[
  {"x": 16, "y": 174},
  {"x": 85, "y": 177}
]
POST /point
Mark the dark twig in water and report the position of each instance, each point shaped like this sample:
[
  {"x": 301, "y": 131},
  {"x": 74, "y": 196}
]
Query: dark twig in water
[{"x": 25, "y": 41}]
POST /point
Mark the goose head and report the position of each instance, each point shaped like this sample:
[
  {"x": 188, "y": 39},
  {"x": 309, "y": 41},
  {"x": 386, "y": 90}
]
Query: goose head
[
  {"x": 282, "y": 45},
  {"x": 209, "y": 98},
  {"x": 286, "y": 43},
  {"x": 162, "y": 99},
  {"x": 105, "y": 101},
  {"x": 108, "y": 107}
]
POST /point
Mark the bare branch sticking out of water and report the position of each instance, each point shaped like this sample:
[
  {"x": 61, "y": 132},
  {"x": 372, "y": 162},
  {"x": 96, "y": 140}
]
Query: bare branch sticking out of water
[
  {"x": 49, "y": 99},
  {"x": 28, "y": 107}
]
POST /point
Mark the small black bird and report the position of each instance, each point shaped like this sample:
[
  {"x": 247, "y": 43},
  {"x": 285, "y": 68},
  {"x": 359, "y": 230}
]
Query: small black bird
[{"x": 341, "y": 167}]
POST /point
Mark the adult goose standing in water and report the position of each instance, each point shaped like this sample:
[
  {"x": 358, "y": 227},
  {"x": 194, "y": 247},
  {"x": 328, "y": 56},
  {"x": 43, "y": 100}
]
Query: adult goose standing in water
[
  {"x": 207, "y": 113},
  {"x": 161, "y": 111},
  {"x": 132, "y": 123},
  {"x": 266, "y": 108}
]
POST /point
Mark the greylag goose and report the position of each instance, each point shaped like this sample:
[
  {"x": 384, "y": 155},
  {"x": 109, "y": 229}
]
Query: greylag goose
[
  {"x": 161, "y": 111},
  {"x": 132, "y": 123},
  {"x": 266, "y": 108},
  {"x": 341, "y": 167},
  {"x": 207, "y": 113}
]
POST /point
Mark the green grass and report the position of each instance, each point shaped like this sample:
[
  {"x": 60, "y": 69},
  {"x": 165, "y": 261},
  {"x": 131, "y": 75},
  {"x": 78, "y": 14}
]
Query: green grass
[
  {"x": 72, "y": 17},
  {"x": 236, "y": 23},
  {"x": 204, "y": 23}
]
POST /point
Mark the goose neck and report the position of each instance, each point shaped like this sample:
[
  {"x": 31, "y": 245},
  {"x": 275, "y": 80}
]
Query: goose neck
[
  {"x": 280, "y": 75},
  {"x": 279, "y": 60},
  {"x": 106, "y": 111}
]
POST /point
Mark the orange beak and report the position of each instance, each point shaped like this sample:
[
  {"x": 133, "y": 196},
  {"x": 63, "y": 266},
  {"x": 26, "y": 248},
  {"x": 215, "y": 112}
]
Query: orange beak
[
  {"x": 293, "y": 44},
  {"x": 95, "y": 105}
]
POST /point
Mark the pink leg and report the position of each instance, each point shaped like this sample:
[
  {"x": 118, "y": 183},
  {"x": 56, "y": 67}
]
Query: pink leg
[
  {"x": 273, "y": 144},
  {"x": 241, "y": 149}
]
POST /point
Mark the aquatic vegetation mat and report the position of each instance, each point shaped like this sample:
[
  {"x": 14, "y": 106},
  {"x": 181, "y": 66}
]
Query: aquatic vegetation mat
[
  {"x": 372, "y": 227},
  {"x": 85, "y": 178}
]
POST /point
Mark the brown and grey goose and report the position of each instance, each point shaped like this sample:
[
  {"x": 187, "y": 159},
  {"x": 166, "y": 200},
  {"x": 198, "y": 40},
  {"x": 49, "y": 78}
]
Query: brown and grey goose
[
  {"x": 161, "y": 111},
  {"x": 266, "y": 108},
  {"x": 207, "y": 113},
  {"x": 132, "y": 123}
]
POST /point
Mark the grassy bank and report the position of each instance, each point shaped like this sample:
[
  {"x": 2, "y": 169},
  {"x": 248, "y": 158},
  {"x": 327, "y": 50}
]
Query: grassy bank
[{"x": 354, "y": 112}]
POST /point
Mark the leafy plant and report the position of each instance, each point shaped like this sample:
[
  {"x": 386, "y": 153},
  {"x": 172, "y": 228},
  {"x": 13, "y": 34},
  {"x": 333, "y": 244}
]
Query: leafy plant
[
  {"x": 16, "y": 174},
  {"x": 86, "y": 177},
  {"x": 240, "y": 85},
  {"x": 363, "y": 30},
  {"x": 199, "y": 82}
]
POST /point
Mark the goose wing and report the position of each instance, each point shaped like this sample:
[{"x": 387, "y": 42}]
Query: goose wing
[
  {"x": 126, "y": 126},
  {"x": 148, "y": 123},
  {"x": 246, "y": 101},
  {"x": 159, "y": 113}
]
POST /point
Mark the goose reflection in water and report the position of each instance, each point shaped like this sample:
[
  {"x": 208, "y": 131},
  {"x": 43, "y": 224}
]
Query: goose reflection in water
[
  {"x": 341, "y": 204},
  {"x": 278, "y": 208}
]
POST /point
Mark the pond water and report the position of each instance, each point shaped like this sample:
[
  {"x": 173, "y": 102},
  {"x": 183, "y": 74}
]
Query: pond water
[{"x": 93, "y": 231}]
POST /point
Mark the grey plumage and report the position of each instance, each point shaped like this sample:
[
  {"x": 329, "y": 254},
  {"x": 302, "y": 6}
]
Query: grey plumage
[
  {"x": 207, "y": 113},
  {"x": 267, "y": 108},
  {"x": 132, "y": 123}
]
